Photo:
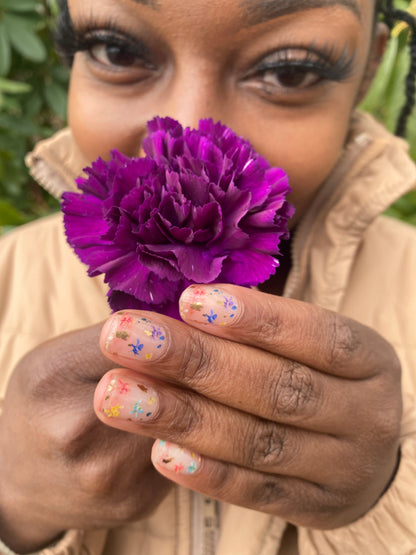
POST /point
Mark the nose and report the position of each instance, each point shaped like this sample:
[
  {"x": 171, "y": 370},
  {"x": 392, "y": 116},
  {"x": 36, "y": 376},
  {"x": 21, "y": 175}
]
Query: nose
[{"x": 195, "y": 92}]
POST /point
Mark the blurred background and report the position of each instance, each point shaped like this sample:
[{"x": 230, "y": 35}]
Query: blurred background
[{"x": 33, "y": 84}]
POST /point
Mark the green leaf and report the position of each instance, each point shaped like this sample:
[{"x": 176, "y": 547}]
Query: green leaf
[
  {"x": 19, "y": 5},
  {"x": 376, "y": 95},
  {"x": 395, "y": 94},
  {"x": 33, "y": 105},
  {"x": 56, "y": 96},
  {"x": 61, "y": 74},
  {"x": 14, "y": 87},
  {"x": 18, "y": 126},
  {"x": 9, "y": 215},
  {"x": 5, "y": 51},
  {"x": 24, "y": 39}
]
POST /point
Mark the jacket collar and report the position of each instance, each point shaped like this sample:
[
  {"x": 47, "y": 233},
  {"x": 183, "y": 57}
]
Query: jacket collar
[{"x": 373, "y": 172}]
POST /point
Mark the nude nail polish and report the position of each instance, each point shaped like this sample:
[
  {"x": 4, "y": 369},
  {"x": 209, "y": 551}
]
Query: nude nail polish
[
  {"x": 209, "y": 305},
  {"x": 134, "y": 337},
  {"x": 175, "y": 458},
  {"x": 131, "y": 400}
]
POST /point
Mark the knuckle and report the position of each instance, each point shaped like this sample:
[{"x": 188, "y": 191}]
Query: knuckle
[
  {"x": 185, "y": 418},
  {"x": 119, "y": 501},
  {"x": 267, "y": 445},
  {"x": 386, "y": 429},
  {"x": 270, "y": 493},
  {"x": 345, "y": 341},
  {"x": 196, "y": 359},
  {"x": 269, "y": 325},
  {"x": 69, "y": 438},
  {"x": 222, "y": 479},
  {"x": 96, "y": 477},
  {"x": 292, "y": 391}
]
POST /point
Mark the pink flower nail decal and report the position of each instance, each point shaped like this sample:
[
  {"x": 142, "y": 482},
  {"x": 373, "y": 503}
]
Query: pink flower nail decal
[
  {"x": 135, "y": 337},
  {"x": 175, "y": 458},
  {"x": 127, "y": 399},
  {"x": 209, "y": 305}
]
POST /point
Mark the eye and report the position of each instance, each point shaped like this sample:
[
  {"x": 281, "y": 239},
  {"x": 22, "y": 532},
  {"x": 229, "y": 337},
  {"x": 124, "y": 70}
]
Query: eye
[
  {"x": 113, "y": 55},
  {"x": 291, "y": 78},
  {"x": 287, "y": 73}
]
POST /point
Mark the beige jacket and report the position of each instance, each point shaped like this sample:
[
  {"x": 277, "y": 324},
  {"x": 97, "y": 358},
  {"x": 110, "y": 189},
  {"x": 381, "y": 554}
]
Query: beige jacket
[{"x": 346, "y": 258}]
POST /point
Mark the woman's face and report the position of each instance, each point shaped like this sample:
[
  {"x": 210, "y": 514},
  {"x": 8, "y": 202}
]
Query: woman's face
[{"x": 285, "y": 74}]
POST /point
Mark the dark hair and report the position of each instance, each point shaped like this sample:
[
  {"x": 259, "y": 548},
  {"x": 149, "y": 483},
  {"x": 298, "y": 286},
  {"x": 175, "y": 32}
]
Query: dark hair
[
  {"x": 391, "y": 15},
  {"x": 384, "y": 8}
]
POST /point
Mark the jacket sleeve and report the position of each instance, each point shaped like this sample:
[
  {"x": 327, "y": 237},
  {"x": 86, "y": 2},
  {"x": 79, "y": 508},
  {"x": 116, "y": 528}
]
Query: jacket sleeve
[
  {"x": 389, "y": 528},
  {"x": 72, "y": 543}
]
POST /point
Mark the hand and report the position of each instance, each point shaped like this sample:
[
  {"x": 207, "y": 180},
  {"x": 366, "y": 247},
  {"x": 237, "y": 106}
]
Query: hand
[
  {"x": 61, "y": 468},
  {"x": 259, "y": 401}
]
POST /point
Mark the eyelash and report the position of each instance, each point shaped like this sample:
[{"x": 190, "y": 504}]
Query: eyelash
[
  {"x": 70, "y": 40},
  {"x": 322, "y": 62}
]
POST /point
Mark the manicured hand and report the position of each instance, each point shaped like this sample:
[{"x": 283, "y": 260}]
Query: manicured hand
[
  {"x": 61, "y": 468},
  {"x": 259, "y": 401}
]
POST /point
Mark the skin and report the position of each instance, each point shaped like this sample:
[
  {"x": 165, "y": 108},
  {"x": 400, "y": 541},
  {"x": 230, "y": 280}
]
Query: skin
[{"x": 317, "y": 441}]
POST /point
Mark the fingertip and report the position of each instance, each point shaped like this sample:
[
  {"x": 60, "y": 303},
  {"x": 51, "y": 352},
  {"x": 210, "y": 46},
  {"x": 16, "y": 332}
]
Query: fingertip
[
  {"x": 173, "y": 460},
  {"x": 210, "y": 305},
  {"x": 101, "y": 391},
  {"x": 108, "y": 332}
]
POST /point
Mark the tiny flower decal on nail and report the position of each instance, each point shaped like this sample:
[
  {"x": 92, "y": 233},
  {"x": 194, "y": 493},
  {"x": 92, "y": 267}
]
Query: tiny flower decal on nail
[
  {"x": 113, "y": 412},
  {"x": 214, "y": 306},
  {"x": 128, "y": 400},
  {"x": 175, "y": 458},
  {"x": 135, "y": 337},
  {"x": 137, "y": 348}
]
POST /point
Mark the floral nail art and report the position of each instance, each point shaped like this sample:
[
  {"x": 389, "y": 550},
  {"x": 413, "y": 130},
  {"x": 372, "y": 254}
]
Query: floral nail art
[
  {"x": 175, "y": 458},
  {"x": 135, "y": 337},
  {"x": 127, "y": 399},
  {"x": 209, "y": 305}
]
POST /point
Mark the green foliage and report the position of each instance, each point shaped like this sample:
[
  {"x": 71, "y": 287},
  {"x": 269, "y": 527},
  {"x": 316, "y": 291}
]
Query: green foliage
[
  {"x": 387, "y": 96},
  {"x": 33, "y": 86},
  {"x": 33, "y": 98}
]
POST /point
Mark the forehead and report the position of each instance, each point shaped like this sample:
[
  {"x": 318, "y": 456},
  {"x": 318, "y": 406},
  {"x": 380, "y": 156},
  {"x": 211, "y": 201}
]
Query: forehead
[
  {"x": 253, "y": 11},
  {"x": 259, "y": 10}
]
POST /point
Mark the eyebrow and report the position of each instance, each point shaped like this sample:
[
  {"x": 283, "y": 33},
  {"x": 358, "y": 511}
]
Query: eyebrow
[
  {"x": 259, "y": 11},
  {"x": 151, "y": 3}
]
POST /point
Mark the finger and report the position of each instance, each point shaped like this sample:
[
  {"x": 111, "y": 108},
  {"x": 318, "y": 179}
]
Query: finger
[
  {"x": 299, "y": 331},
  {"x": 243, "y": 377},
  {"x": 295, "y": 500},
  {"x": 138, "y": 405}
]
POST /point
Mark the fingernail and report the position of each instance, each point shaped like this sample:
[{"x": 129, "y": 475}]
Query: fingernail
[
  {"x": 209, "y": 305},
  {"x": 133, "y": 337},
  {"x": 127, "y": 399},
  {"x": 175, "y": 458}
]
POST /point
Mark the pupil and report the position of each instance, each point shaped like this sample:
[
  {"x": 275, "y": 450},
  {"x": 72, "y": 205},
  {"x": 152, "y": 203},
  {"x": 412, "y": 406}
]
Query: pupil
[
  {"x": 120, "y": 57},
  {"x": 291, "y": 77}
]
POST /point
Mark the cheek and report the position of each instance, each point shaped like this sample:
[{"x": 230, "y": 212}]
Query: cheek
[
  {"x": 307, "y": 148},
  {"x": 100, "y": 121},
  {"x": 306, "y": 144}
]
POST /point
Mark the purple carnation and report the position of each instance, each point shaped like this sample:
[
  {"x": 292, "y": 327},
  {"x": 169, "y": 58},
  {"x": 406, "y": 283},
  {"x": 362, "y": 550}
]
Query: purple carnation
[{"x": 202, "y": 206}]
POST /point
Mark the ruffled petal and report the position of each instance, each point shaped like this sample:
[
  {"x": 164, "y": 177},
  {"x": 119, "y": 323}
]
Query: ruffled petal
[{"x": 201, "y": 206}]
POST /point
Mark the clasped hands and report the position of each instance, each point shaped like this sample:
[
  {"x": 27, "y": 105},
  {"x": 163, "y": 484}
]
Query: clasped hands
[{"x": 256, "y": 400}]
